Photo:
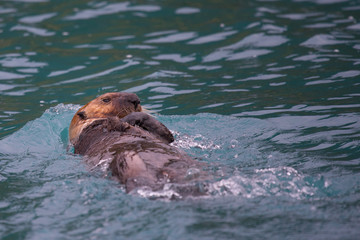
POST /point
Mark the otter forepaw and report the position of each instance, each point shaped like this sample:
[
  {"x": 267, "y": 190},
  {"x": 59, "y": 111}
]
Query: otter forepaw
[{"x": 149, "y": 124}]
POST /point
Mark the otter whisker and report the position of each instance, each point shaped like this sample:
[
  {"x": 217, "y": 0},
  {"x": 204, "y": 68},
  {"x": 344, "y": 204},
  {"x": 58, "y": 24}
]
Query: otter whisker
[
  {"x": 148, "y": 111},
  {"x": 124, "y": 112}
]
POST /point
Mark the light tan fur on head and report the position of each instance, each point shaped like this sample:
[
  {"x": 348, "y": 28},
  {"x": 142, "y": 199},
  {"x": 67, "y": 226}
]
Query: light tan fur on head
[{"x": 116, "y": 104}]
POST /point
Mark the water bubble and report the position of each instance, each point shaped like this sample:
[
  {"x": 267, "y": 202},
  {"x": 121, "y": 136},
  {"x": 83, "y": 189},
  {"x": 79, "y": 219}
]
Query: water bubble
[
  {"x": 233, "y": 143},
  {"x": 192, "y": 173}
]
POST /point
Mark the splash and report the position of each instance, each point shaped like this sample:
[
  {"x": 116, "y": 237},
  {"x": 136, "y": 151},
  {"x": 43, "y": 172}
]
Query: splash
[
  {"x": 193, "y": 141},
  {"x": 280, "y": 181},
  {"x": 269, "y": 182}
]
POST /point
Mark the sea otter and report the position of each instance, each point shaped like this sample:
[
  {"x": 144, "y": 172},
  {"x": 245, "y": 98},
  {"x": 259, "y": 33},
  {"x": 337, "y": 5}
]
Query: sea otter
[{"x": 112, "y": 130}]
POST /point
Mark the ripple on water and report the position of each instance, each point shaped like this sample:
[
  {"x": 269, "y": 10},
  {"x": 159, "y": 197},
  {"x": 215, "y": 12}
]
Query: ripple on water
[
  {"x": 127, "y": 63},
  {"x": 240, "y": 55},
  {"x": 61, "y": 72},
  {"x": 288, "y": 71},
  {"x": 213, "y": 37},
  {"x": 257, "y": 40},
  {"x": 175, "y": 57},
  {"x": 112, "y": 8},
  {"x": 355, "y": 27},
  {"x": 34, "y": 30},
  {"x": 9, "y": 76},
  {"x": 263, "y": 77},
  {"x": 15, "y": 60},
  {"x": 37, "y": 18},
  {"x": 172, "y": 38},
  {"x": 322, "y": 40},
  {"x": 187, "y": 10}
]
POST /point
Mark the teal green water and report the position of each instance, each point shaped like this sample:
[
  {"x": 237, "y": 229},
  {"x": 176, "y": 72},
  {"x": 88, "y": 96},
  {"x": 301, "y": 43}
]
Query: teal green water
[{"x": 266, "y": 92}]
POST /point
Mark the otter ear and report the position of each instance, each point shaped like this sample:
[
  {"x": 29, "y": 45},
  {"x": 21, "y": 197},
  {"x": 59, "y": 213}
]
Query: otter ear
[{"x": 82, "y": 115}]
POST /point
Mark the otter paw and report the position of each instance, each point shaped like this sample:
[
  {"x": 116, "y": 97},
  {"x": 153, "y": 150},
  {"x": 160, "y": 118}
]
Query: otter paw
[{"x": 149, "y": 124}]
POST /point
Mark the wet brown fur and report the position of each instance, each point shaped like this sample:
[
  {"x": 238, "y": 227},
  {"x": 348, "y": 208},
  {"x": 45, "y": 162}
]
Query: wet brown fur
[
  {"x": 134, "y": 145},
  {"x": 119, "y": 105}
]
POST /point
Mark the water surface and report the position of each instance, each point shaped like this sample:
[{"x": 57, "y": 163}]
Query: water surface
[{"x": 265, "y": 92}]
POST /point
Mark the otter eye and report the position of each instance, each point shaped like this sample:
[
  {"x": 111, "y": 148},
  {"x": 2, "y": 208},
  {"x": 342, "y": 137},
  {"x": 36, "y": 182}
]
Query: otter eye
[
  {"x": 81, "y": 115},
  {"x": 106, "y": 100}
]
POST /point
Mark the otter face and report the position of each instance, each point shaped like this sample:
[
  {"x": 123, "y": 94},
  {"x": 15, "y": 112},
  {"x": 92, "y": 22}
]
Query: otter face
[
  {"x": 117, "y": 104},
  {"x": 110, "y": 105}
]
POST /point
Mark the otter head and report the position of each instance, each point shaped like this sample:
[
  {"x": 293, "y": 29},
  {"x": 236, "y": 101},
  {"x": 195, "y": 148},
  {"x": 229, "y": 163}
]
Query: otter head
[{"x": 117, "y": 104}]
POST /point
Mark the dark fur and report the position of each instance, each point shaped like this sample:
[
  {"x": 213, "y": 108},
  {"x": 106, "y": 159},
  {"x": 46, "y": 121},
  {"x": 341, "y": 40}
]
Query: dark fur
[{"x": 137, "y": 150}]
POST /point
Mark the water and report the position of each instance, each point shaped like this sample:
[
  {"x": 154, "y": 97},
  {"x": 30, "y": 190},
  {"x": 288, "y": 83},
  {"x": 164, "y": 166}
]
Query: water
[{"x": 265, "y": 92}]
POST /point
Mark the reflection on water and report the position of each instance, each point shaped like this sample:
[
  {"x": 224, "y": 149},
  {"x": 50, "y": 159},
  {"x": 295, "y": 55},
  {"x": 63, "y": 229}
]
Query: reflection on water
[{"x": 283, "y": 75}]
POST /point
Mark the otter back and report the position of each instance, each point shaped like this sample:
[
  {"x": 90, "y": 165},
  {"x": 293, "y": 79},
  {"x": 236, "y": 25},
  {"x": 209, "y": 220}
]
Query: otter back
[{"x": 136, "y": 157}]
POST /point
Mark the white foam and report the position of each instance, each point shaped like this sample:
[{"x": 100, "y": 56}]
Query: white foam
[
  {"x": 195, "y": 141},
  {"x": 280, "y": 181},
  {"x": 166, "y": 193},
  {"x": 103, "y": 165}
]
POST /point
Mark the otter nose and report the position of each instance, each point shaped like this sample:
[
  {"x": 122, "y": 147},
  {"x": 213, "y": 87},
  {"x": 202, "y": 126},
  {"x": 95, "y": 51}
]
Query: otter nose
[
  {"x": 133, "y": 99},
  {"x": 136, "y": 103}
]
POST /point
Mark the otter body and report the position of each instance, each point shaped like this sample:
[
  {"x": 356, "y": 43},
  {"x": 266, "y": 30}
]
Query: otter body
[{"x": 132, "y": 144}]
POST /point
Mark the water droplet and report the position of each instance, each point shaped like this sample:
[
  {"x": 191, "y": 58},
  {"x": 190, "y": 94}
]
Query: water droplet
[
  {"x": 233, "y": 143},
  {"x": 192, "y": 173}
]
